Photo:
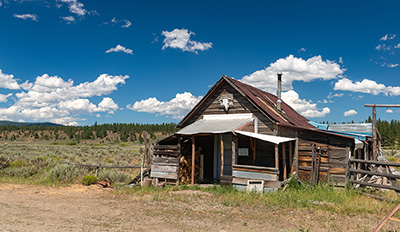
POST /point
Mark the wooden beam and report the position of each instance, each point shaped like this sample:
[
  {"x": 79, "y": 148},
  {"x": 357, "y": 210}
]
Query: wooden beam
[
  {"x": 374, "y": 135},
  {"x": 284, "y": 160},
  {"x": 291, "y": 156},
  {"x": 397, "y": 189},
  {"x": 352, "y": 170},
  {"x": 375, "y": 162},
  {"x": 233, "y": 150},
  {"x": 193, "y": 158},
  {"x": 383, "y": 105},
  {"x": 296, "y": 158},
  {"x": 253, "y": 144},
  {"x": 389, "y": 216},
  {"x": 222, "y": 154},
  {"x": 277, "y": 156}
]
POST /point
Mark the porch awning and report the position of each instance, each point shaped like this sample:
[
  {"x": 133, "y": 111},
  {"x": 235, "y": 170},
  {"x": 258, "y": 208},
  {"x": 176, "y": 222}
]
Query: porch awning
[
  {"x": 267, "y": 138},
  {"x": 214, "y": 125}
]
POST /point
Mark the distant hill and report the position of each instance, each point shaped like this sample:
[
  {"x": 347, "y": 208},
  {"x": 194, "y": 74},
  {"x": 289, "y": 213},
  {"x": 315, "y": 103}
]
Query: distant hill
[{"x": 10, "y": 123}]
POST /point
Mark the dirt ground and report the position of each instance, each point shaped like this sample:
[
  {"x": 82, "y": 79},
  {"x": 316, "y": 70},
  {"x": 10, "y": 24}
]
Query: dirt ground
[{"x": 81, "y": 208}]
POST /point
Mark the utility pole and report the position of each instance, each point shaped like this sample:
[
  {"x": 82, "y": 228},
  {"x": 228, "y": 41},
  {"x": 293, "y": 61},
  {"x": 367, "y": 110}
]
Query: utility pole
[{"x": 374, "y": 131}]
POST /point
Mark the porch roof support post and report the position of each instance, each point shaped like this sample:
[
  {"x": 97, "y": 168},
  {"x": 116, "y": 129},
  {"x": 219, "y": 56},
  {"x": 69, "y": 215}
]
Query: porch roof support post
[
  {"x": 234, "y": 139},
  {"x": 193, "y": 158},
  {"x": 276, "y": 156},
  {"x": 296, "y": 158},
  {"x": 291, "y": 156},
  {"x": 222, "y": 154},
  {"x": 284, "y": 160}
]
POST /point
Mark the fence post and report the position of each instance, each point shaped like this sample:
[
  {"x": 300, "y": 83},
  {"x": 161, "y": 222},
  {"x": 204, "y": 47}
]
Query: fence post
[
  {"x": 141, "y": 174},
  {"x": 37, "y": 164}
]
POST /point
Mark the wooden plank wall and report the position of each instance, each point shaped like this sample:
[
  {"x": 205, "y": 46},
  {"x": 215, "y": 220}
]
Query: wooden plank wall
[
  {"x": 165, "y": 163},
  {"x": 240, "y": 106},
  {"x": 333, "y": 162},
  {"x": 243, "y": 173}
]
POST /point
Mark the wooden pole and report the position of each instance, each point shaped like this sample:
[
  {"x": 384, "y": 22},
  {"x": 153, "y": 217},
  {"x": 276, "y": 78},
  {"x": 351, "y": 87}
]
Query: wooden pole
[
  {"x": 222, "y": 154},
  {"x": 193, "y": 158},
  {"x": 296, "y": 157},
  {"x": 374, "y": 131},
  {"x": 291, "y": 156},
  {"x": 383, "y": 222},
  {"x": 284, "y": 160},
  {"x": 254, "y": 150},
  {"x": 276, "y": 156},
  {"x": 374, "y": 134},
  {"x": 233, "y": 150},
  {"x": 37, "y": 164}
]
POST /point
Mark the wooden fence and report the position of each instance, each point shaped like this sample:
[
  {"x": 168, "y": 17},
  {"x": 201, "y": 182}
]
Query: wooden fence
[{"x": 358, "y": 166}]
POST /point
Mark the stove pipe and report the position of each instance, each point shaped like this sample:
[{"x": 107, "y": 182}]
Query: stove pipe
[{"x": 279, "y": 101}]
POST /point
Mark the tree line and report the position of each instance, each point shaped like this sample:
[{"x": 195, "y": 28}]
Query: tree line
[
  {"x": 124, "y": 132},
  {"x": 116, "y": 131}
]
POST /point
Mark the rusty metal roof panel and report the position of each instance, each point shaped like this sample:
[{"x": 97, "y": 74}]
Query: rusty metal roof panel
[{"x": 267, "y": 102}]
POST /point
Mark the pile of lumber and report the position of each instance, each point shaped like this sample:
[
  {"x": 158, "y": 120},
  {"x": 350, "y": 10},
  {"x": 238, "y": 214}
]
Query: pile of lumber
[{"x": 185, "y": 168}]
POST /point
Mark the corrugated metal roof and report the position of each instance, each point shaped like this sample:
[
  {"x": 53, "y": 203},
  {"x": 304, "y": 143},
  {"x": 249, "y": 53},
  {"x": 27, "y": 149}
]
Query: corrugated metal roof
[
  {"x": 267, "y": 138},
  {"x": 359, "y": 128},
  {"x": 213, "y": 126},
  {"x": 267, "y": 102}
]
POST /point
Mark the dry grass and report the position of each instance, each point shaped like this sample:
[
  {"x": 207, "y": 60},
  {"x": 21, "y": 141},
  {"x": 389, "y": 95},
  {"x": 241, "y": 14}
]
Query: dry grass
[{"x": 19, "y": 162}]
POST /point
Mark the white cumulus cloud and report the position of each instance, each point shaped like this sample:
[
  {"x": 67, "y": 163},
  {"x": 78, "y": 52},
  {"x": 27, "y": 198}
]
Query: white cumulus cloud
[
  {"x": 302, "y": 106},
  {"x": 180, "y": 38},
  {"x": 7, "y": 81},
  {"x": 293, "y": 69},
  {"x": 175, "y": 108},
  {"x": 366, "y": 86},
  {"x": 120, "y": 48},
  {"x": 32, "y": 17},
  {"x": 108, "y": 104},
  {"x": 388, "y": 37},
  {"x": 3, "y": 97},
  {"x": 389, "y": 111},
  {"x": 350, "y": 113},
  {"x": 69, "y": 19},
  {"x": 75, "y": 7},
  {"x": 50, "y": 98}
]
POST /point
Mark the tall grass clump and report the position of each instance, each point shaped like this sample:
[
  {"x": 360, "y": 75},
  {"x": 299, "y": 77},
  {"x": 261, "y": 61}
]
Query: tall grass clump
[
  {"x": 322, "y": 196},
  {"x": 114, "y": 176},
  {"x": 65, "y": 173}
]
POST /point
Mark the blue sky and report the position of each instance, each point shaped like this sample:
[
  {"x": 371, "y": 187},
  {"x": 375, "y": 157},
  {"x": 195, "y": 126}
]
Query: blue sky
[{"x": 75, "y": 62}]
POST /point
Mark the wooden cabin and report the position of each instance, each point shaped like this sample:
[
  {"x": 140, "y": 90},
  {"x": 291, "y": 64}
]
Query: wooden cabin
[{"x": 238, "y": 134}]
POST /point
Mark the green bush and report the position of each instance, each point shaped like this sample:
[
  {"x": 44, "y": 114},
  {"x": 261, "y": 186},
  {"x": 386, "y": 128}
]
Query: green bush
[{"x": 89, "y": 180}]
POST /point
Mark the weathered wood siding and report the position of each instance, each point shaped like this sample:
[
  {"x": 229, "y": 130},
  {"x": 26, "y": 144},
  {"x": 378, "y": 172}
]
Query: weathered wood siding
[
  {"x": 243, "y": 173},
  {"x": 334, "y": 158},
  {"x": 165, "y": 163},
  {"x": 333, "y": 162},
  {"x": 240, "y": 106}
]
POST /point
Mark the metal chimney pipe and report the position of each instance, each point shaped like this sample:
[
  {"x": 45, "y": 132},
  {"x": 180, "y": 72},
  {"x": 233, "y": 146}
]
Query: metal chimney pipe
[{"x": 279, "y": 101}]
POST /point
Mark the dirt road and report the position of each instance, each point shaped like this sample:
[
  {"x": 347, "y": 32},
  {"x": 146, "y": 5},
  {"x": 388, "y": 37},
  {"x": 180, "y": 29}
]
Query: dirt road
[{"x": 81, "y": 208}]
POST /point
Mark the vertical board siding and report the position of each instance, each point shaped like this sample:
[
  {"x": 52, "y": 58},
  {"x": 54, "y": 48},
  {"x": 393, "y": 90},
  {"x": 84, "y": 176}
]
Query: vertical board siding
[{"x": 333, "y": 162}]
